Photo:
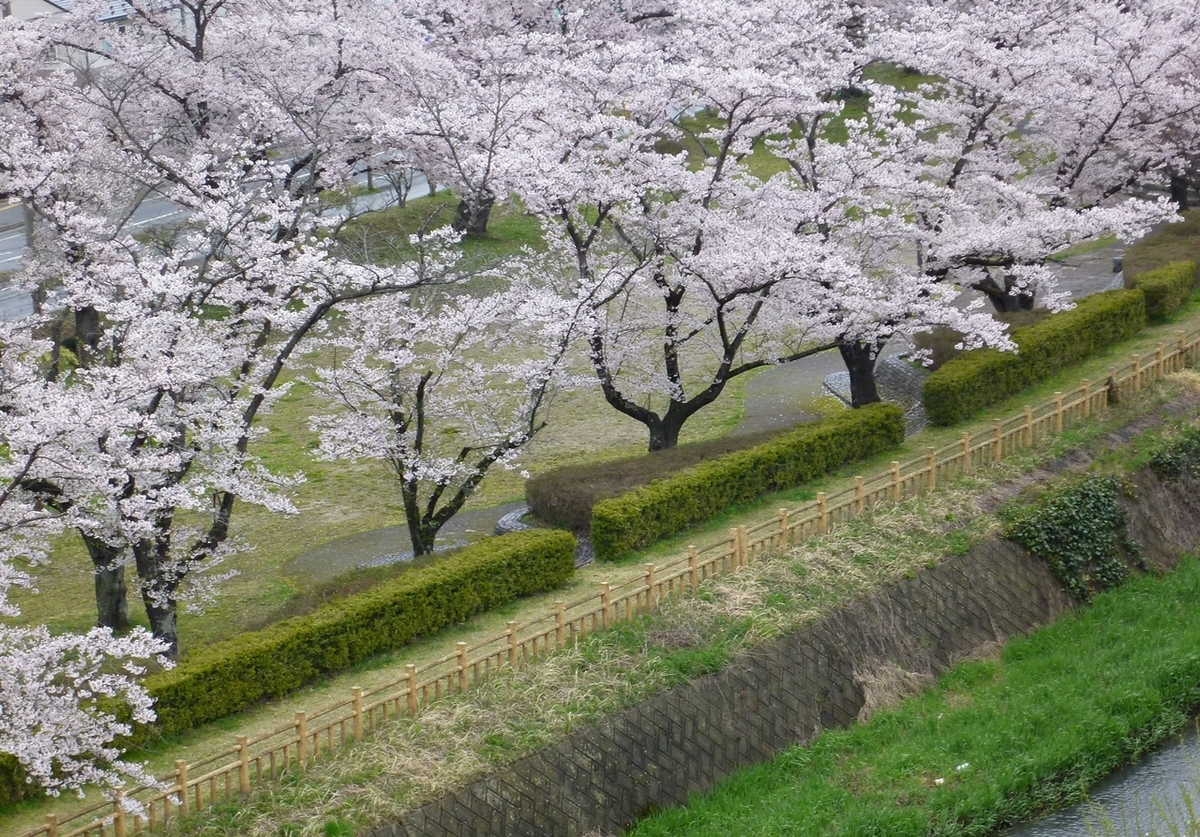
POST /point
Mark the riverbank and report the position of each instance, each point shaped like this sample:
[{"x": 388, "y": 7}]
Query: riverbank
[{"x": 996, "y": 742}]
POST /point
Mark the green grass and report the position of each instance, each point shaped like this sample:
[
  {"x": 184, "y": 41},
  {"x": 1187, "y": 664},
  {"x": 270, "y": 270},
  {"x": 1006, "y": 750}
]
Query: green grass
[
  {"x": 1178, "y": 242},
  {"x": 995, "y": 742},
  {"x": 383, "y": 237},
  {"x": 1084, "y": 247}
]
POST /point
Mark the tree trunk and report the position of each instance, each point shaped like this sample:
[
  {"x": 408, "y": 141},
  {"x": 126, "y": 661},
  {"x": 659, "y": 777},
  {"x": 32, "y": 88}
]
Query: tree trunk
[
  {"x": 421, "y": 533},
  {"x": 471, "y": 217},
  {"x": 162, "y": 623},
  {"x": 87, "y": 334},
  {"x": 112, "y": 604},
  {"x": 664, "y": 432},
  {"x": 1006, "y": 299},
  {"x": 860, "y": 363},
  {"x": 1179, "y": 191},
  {"x": 159, "y": 586}
]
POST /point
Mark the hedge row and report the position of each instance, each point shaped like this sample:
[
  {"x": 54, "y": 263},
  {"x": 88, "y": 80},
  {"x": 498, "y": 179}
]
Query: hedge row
[
  {"x": 564, "y": 497},
  {"x": 642, "y": 516},
  {"x": 276, "y": 660},
  {"x": 980, "y": 378},
  {"x": 1167, "y": 288}
]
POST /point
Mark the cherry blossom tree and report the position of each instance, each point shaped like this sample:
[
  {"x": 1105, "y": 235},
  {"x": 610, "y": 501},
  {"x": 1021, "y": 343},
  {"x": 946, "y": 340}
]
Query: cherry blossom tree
[
  {"x": 53, "y": 716},
  {"x": 456, "y": 101},
  {"x": 705, "y": 189},
  {"x": 1035, "y": 116},
  {"x": 641, "y": 241},
  {"x": 444, "y": 387},
  {"x": 834, "y": 136},
  {"x": 191, "y": 326}
]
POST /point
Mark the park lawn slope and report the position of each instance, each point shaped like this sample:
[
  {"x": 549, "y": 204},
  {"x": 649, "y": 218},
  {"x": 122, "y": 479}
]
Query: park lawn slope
[{"x": 996, "y": 742}]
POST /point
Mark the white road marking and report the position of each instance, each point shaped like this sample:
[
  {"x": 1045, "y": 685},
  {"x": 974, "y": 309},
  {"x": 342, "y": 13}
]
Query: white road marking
[{"x": 173, "y": 212}]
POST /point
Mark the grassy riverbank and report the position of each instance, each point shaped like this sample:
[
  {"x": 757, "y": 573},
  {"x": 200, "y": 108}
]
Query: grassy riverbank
[{"x": 996, "y": 742}]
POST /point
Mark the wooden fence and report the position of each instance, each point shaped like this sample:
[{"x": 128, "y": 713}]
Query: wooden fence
[{"x": 249, "y": 761}]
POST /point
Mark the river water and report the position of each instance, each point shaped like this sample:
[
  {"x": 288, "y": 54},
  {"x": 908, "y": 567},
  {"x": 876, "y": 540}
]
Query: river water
[{"x": 1152, "y": 797}]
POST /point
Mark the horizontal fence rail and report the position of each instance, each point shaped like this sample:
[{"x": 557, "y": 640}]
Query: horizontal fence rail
[{"x": 250, "y": 761}]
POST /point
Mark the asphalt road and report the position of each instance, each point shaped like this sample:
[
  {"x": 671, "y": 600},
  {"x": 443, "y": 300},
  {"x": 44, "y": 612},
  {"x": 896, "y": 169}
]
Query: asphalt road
[{"x": 15, "y": 304}]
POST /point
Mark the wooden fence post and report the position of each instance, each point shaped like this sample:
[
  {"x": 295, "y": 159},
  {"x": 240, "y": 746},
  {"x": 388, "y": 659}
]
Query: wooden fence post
[
  {"x": 693, "y": 574},
  {"x": 1137, "y": 373},
  {"x": 511, "y": 631},
  {"x": 181, "y": 782},
  {"x": 1182, "y": 352},
  {"x": 1058, "y": 412},
  {"x": 410, "y": 674},
  {"x": 783, "y": 529},
  {"x": 997, "y": 442},
  {"x": 606, "y": 603},
  {"x": 650, "y": 592},
  {"x": 822, "y": 514},
  {"x": 931, "y": 467},
  {"x": 895, "y": 482},
  {"x": 858, "y": 496},
  {"x": 560, "y": 623},
  {"x": 1087, "y": 398},
  {"x": 733, "y": 548},
  {"x": 356, "y": 697},
  {"x": 463, "y": 665},
  {"x": 1027, "y": 433},
  {"x": 1159, "y": 371},
  {"x": 51, "y": 825},
  {"x": 965, "y": 452},
  {"x": 243, "y": 745},
  {"x": 118, "y": 816},
  {"x": 743, "y": 547},
  {"x": 301, "y": 738}
]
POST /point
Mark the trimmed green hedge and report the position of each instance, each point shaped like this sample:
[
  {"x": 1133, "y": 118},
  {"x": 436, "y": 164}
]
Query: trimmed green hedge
[
  {"x": 564, "y": 497},
  {"x": 276, "y": 660},
  {"x": 642, "y": 516},
  {"x": 1166, "y": 288},
  {"x": 980, "y": 378}
]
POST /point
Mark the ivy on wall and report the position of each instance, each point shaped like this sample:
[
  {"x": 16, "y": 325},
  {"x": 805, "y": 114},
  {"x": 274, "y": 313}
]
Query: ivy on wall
[{"x": 1081, "y": 530}]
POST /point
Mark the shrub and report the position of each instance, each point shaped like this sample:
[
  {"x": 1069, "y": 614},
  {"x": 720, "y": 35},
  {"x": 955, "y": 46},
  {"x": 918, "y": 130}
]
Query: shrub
[
  {"x": 939, "y": 343},
  {"x": 1177, "y": 457},
  {"x": 564, "y": 497},
  {"x": 979, "y": 378},
  {"x": 13, "y": 787},
  {"x": 1082, "y": 532},
  {"x": 642, "y": 516},
  {"x": 276, "y": 660},
  {"x": 1166, "y": 288}
]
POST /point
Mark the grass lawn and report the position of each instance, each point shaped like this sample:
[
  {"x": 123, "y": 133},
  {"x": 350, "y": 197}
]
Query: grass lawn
[
  {"x": 995, "y": 742},
  {"x": 1178, "y": 242}
]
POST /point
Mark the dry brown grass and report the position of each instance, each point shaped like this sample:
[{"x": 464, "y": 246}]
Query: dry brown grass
[{"x": 887, "y": 685}]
